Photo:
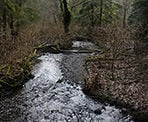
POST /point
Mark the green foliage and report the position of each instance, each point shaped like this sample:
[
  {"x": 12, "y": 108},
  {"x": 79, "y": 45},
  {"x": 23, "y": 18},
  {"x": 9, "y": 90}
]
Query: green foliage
[
  {"x": 88, "y": 11},
  {"x": 15, "y": 14},
  {"x": 139, "y": 16},
  {"x": 29, "y": 15},
  {"x": 93, "y": 12},
  {"x": 139, "y": 12},
  {"x": 14, "y": 75}
]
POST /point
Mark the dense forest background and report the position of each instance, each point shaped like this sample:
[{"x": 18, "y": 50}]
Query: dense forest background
[
  {"x": 117, "y": 70},
  {"x": 18, "y": 15},
  {"x": 27, "y": 24}
]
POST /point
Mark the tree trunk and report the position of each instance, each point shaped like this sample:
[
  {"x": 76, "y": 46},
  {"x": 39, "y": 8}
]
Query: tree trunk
[
  {"x": 92, "y": 16},
  {"x": 110, "y": 7},
  {"x": 12, "y": 25},
  {"x": 101, "y": 12},
  {"x": 66, "y": 16},
  {"x": 4, "y": 18},
  {"x": 125, "y": 9},
  {"x": 124, "y": 18}
]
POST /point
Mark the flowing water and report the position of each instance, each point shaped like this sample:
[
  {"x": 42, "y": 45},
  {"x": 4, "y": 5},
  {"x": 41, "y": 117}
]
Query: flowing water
[{"x": 55, "y": 94}]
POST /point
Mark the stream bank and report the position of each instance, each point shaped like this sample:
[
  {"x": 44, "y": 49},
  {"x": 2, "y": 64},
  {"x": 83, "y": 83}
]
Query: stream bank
[
  {"x": 14, "y": 76},
  {"x": 127, "y": 89},
  {"x": 55, "y": 94}
]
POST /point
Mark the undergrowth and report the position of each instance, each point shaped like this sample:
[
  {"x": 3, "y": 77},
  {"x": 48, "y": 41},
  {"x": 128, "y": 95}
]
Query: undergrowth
[{"x": 17, "y": 54}]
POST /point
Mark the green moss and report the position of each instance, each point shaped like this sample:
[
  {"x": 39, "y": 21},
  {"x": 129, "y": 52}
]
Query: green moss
[{"x": 13, "y": 76}]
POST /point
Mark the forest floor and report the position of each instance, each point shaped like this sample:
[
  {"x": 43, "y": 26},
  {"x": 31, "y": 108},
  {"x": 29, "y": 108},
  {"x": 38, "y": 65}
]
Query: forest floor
[
  {"x": 17, "y": 54},
  {"x": 122, "y": 81}
]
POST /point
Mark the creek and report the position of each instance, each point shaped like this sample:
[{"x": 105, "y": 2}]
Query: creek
[{"x": 55, "y": 93}]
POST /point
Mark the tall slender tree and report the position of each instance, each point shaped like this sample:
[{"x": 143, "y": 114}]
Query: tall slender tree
[
  {"x": 126, "y": 7},
  {"x": 101, "y": 12},
  {"x": 65, "y": 14},
  {"x": 4, "y": 18}
]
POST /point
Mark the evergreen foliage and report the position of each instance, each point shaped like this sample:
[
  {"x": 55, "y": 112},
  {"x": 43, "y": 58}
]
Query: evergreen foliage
[
  {"x": 139, "y": 12},
  {"x": 15, "y": 14},
  {"x": 98, "y": 12},
  {"x": 139, "y": 16}
]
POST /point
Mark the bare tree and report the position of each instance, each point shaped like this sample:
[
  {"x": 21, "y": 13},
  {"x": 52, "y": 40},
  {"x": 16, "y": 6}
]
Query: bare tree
[{"x": 126, "y": 7}]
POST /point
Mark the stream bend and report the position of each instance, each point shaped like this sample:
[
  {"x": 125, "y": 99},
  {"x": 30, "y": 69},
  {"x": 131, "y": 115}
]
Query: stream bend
[{"x": 55, "y": 94}]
